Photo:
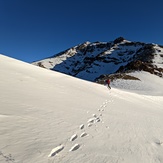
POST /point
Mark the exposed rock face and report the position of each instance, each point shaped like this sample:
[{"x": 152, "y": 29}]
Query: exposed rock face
[
  {"x": 41, "y": 65},
  {"x": 139, "y": 66},
  {"x": 118, "y": 40},
  {"x": 91, "y": 60}
]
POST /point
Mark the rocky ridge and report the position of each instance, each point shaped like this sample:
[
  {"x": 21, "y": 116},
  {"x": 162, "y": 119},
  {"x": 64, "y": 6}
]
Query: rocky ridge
[{"x": 96, "y": 61}]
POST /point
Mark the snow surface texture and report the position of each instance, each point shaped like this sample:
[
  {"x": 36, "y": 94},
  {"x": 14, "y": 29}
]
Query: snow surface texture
[{"x": 49, "y": 117}]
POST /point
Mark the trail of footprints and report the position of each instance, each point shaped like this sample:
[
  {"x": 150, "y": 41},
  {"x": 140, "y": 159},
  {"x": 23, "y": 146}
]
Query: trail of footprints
[{"x": 91, "y": 121}]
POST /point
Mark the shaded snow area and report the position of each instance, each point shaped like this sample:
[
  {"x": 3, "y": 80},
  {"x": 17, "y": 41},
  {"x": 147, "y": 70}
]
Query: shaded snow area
[{"x": 49, "y": 117}]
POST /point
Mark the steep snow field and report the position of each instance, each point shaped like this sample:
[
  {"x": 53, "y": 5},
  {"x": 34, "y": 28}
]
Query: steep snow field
[
  {"x": 49, "y": 117},
  {"x": 148, "y": 84}
]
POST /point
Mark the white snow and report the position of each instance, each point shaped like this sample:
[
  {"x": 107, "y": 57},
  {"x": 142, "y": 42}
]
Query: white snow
[
  {"x": 56, "y": 150},
  {"x": 83, "y": 134},
  {"x": 73, "y": 137},
  {"x": 40, "y": 110},
  {"x": 158, "y": 58},
  {"x": 81, "y": 126},
  {"x": 75, "y": 147}
]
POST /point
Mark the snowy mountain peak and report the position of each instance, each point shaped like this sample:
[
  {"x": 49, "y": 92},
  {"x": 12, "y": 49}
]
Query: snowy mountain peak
[{"x": 91, "y": 60}]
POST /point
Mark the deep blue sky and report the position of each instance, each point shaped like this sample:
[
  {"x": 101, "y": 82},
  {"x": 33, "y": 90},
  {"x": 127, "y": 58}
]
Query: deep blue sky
[{"x": 34, "y": 29}]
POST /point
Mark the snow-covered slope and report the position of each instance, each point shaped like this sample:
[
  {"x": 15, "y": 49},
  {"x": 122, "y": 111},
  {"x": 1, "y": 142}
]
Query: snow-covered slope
[
  {"x": 90, "y": 60},
  {"x": 147, "y": 85},
  {"x": 45, "y": 120}
]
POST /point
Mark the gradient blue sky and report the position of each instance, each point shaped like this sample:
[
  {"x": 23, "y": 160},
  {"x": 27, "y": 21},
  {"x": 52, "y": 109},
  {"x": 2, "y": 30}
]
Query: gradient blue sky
[{"x": 35, "y": 29}]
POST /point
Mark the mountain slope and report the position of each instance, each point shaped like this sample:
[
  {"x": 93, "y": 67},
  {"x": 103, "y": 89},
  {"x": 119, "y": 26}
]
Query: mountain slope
[
  {"x": 45, "y": 120},
  {"x": 91, "y": 60}
]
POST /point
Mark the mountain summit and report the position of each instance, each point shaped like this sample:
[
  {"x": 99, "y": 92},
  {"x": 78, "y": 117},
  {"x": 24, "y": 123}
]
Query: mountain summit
[{"x": 90, "y": 61}]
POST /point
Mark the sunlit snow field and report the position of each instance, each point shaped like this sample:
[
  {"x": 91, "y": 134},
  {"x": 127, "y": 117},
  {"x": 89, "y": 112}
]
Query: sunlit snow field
[{"x": 49, "y": 117}]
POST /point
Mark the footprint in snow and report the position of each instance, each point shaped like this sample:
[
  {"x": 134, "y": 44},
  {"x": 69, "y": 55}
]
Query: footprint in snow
[
  {"x": 97, "y": 120},
  {"x": 94, "y": 115},
  {"x": 89, "y": 124},
  {"x": 100, "y": 115},
  {"x": 158, "y": 142},
  {"x": 56, "y": 150},
  {"x": 81, "y": 126},
  {"x": 73, "y": 137},
  {"x": 74, "y": 148},
  {"x": 91, "y": 120},
  {"x": 83, "y": 134}
]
